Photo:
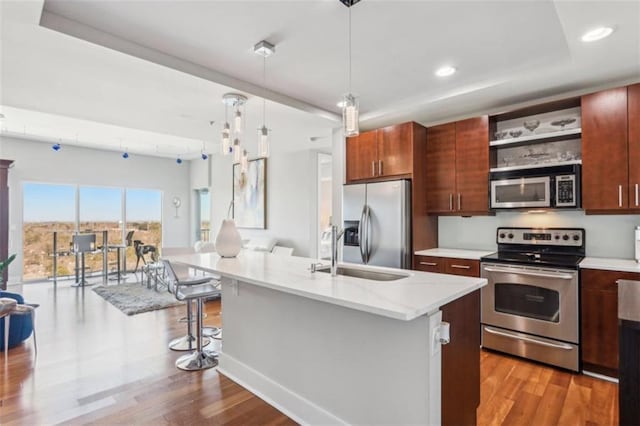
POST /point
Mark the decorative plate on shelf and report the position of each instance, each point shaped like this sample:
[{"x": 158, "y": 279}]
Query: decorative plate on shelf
[{"x": 563, "y": 122}]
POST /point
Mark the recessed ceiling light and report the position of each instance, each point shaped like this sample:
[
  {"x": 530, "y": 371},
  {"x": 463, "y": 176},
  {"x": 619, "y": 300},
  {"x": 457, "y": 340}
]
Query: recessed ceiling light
[
  {"x": 597, "y": 34},
  {"x": 445, "y": 71}
]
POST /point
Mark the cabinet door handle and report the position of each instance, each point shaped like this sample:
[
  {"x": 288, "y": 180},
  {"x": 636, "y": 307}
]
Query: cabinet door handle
[
  {"x": 429, "y": 263},
  {"x": 620, "y": 195},
  {"x": 380, "y": 168},
  {"x": 637, "y": 195},
  {"x": 450, "y": 201},
  {"x": 373, "y": 168},
  {"x": 459, "y": 201},
  {"x": 461, "y": 266}
]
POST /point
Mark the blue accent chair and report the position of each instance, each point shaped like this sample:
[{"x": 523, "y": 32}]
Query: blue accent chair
[{"x": 20, "y": 326}]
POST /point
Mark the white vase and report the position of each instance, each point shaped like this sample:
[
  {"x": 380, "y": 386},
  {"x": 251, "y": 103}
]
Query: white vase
[{"x": 228, "y": 241}]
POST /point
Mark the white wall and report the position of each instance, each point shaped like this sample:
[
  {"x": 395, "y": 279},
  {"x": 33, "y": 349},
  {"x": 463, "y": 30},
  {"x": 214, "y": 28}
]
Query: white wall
[
  {"x": 37, "y": 162},
  {"x": 606, "y": 235},
  {"x": 291, "y": 198}
]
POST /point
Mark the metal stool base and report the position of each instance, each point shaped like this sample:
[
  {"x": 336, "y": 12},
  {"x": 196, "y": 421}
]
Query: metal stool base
[
  {"x": 211, "y": 332},
  {"x": 187, "y": 343},
  {"x": 197, "y": 361}
]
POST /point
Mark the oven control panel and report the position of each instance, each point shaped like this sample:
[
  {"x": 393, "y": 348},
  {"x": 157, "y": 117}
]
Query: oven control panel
[{"x": 572, "y": 237}]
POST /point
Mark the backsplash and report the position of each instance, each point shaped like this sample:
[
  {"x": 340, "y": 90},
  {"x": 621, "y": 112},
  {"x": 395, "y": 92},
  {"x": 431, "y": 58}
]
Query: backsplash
[{"x": 607, "y": 235}]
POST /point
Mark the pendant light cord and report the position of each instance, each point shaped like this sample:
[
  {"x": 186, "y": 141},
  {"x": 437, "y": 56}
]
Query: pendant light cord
[
  {"x": 264, "y": 89},
  {"x": 349, "y": 50}
]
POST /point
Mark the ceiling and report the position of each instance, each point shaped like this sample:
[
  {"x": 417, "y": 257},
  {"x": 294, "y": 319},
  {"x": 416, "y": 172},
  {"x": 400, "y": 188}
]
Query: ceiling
[{"x": 162, "y": 66}]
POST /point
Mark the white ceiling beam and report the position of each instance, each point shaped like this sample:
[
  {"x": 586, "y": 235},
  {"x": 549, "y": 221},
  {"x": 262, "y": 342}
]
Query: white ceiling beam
[{"x": 76, "y": 29}]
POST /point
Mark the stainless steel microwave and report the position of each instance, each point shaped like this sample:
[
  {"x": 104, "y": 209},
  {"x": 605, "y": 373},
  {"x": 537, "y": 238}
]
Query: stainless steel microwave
[{"x": 540, "y": 188}]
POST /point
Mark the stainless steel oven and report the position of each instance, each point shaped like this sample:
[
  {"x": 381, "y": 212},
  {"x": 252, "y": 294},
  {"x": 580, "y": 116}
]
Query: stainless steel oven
[{"x": 530, "y": 305}]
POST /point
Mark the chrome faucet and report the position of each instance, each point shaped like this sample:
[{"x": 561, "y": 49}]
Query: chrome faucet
[{"x": 335, "y": 237}]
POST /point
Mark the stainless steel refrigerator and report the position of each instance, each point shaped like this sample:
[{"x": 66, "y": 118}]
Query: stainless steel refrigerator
[{"x": 377, "y": 223}]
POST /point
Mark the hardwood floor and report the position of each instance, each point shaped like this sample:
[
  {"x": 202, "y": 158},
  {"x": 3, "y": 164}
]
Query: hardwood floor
[
  {"x": 95, "y": 365},
  {"x": 518, "y": 392}
]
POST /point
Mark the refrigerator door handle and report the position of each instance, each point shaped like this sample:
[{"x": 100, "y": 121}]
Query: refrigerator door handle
[
  {"x": 369, "y": 232},
  {"x": 361, "y": 232}
]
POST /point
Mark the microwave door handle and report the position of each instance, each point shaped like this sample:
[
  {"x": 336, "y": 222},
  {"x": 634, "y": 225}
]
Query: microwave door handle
[{"x": 531, "y": 273}]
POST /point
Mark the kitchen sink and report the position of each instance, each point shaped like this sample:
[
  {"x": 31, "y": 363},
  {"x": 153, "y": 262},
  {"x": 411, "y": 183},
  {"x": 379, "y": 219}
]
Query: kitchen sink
[{"x": 367, "y": 275}]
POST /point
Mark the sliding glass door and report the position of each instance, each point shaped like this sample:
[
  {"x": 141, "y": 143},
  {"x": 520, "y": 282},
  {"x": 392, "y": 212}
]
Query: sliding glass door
[
  {"x": 55, "y": 212},
  {"x": 47, "y": 209}
]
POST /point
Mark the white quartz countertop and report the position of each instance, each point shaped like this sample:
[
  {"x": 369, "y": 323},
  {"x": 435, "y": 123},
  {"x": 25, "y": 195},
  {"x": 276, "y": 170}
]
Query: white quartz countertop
[
  {"x": 455, "y": 253},
  {"x": 610, "y": 264},
  {"x": 404, "y": 299}
]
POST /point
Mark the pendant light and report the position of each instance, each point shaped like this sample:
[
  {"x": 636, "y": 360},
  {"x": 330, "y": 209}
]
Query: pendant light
[
  {"x": 264, "y": 49},
  {"x": 350, "y": 106},
  {"x": 236, "y": 102}
]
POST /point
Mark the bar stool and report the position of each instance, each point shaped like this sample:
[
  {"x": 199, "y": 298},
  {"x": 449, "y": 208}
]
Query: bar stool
[{"x": 189, "y": 291}]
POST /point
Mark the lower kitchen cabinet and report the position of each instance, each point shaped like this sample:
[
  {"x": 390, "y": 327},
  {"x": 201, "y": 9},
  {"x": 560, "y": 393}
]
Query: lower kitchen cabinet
[
  {"x": 447, "y": 265},
  {"x": 461, "y": 357},
  {"x": 599, "y": 319},
  {"x": 461, "y": 361}
]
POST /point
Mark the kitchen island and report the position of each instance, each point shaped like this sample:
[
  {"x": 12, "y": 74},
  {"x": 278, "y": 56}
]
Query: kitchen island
[{"x": 341, "y": 349}]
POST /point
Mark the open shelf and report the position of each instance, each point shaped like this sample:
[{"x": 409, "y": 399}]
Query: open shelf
[{"x": 541, "y": 137}]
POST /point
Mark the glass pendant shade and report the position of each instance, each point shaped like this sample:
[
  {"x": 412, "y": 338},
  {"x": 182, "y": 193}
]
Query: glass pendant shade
[
  {"x": 244, "y": 161},
  {"x": 263, "y": 142},
  {"x": 226, "y": 144},
  {"x": 350, "y": 115},
  {"x": 237, "y": 121},
  {"x": 236, "y": 151}
]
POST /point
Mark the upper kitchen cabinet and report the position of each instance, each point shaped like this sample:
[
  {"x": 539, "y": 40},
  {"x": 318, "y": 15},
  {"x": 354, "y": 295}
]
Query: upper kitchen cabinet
[
  {"x": 441, "y": 171},
  {"x": 362, "y": 156},
  {"x": 458, "y": 167},
  {"x": 383, "y": 153},
  {"x": 611, "y": 150},
  {"x": 633, "y": 101}
]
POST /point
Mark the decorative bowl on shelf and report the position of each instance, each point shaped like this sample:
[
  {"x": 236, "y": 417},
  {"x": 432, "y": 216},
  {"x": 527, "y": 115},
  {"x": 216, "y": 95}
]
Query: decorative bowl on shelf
[
  {"x": 515, "y": 133},
  {"x": 500, "y": 134},
  {"x": 531, "y": 125},
  {"x": 563, "y": 122}
]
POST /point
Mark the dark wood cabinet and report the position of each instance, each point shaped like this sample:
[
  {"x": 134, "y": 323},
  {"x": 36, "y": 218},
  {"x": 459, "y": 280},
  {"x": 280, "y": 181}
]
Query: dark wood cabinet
[
  {"x": 461, "y": 361},
  {"x": 461, "y": 357},
  {"x": 429, "y": 264},
  {"x": 465, "y": 267},
  {"x": 611, "y": 151},
  {"x": 472, "y": 165},
  {"x": 605, "y": 176},
  {"x": 362, "y": 156},
  {"x": 395, "y": 153},
  {"x": 447, "y": 265},
  {"x": 458, "y": 167},
  {"x": 633, "y": 101},
  {"x": 381, "y": 153},
  {"x": 599, "y": 319},
  {"x": 440, "y": 165}
]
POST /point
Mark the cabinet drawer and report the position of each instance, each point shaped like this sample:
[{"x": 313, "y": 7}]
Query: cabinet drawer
[
  {"x": 466, "y": 267},
  {"x": 429, "y": 264}
]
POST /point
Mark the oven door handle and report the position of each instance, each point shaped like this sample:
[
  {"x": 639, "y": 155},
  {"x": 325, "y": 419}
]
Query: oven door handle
[
  {"x": 528, "y": 339},
  {"x": 534, "y": 274}
]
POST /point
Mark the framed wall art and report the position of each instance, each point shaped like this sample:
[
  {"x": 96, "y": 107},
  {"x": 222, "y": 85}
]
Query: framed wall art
[{"x": 250, "y": 195}]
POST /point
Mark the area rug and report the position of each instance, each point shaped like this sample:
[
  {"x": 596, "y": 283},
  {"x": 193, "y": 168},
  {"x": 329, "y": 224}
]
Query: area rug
[{"x": 135, "y": 298}]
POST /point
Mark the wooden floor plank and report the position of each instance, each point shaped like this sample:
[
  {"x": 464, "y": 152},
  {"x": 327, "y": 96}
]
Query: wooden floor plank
[{"x": 95, "y": 365}]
